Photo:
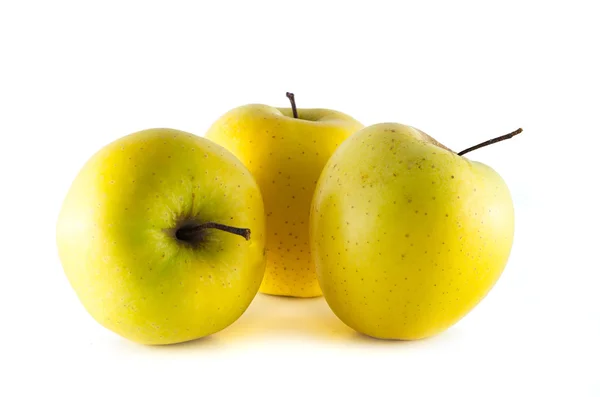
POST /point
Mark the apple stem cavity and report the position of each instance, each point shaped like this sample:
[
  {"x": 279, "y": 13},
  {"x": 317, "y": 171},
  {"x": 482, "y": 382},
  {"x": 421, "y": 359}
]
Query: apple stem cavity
[
  {"x": 491, "y": 141},
  {"x": 193, "y": 233},
  {"x": 293, "y": 102}
]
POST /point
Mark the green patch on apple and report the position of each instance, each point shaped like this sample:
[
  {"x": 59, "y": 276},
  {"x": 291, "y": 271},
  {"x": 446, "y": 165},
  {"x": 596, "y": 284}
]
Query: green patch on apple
[{"x": 162, "y": 237}]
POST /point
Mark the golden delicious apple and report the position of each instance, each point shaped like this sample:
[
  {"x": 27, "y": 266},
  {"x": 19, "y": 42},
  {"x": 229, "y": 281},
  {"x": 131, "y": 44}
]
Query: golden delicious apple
[
  {"x": 407, "y": 235},
  {"x": 148, "y": 237},
  {"x": 286, "y": 155}
]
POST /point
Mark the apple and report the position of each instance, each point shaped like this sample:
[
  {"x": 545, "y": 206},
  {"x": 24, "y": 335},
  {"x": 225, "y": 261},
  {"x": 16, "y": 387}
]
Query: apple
[
  {"x": 407, "y": 235},
  {"x": 162, "y": 237},
  {"x": 285, "y": 149}
]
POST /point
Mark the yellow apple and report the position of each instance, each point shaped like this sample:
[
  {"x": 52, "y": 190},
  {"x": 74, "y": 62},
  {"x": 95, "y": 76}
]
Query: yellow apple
[
  {"x": 152, "y": 237},
  {"x": 286, "y": 155},
  {"x": 407, "y": 235}
]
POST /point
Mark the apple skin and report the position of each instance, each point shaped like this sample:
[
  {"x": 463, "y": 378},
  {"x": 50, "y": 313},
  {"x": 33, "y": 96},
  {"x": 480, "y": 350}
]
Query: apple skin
[
  {"x": 116, "y": 237},
  {"x": 407, "y": 236},
  {"x": 286, "y": 157}
]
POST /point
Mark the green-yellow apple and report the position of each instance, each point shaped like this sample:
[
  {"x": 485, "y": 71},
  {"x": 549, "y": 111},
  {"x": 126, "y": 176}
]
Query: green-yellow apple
[
  {"x": 407, "y": 235},
  {"x": 285, "y": 149},
  {"x": 162, "y": 237}
]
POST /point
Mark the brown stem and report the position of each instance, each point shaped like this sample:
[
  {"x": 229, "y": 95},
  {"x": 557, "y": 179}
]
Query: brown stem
[
  {"x": 191, "y": 233},
  {"x": 293, "y": 102},
  {"x": 491, "y": 141}
]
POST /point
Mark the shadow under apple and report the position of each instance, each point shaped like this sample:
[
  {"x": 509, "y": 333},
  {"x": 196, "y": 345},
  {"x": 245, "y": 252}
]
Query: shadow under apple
[
  {"x": 272, "y": 316},
  {"x": 276, "y": 317}
]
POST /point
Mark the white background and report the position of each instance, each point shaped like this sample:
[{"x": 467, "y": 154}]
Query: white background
[{"x": 76, "y": 75}]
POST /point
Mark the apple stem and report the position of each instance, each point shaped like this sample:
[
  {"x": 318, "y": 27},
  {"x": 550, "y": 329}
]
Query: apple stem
[
  {"x": 189, "y": 233},
  {"x": 491, "y": 141},
  {"x": 293, "y": 102}
]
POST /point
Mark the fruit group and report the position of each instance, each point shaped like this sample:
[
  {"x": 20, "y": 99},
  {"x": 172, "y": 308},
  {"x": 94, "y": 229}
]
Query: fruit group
[
  {"x": 286, "y": 155},
  {"x": 138, "y": 241},
  {"x": 407, "y": 236}
]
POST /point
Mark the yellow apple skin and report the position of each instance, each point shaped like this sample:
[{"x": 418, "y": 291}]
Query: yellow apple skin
[
  {"x": 286, "y": 156},
  {"x": 406, "y": 235},
  {"x": 116, "y": 237}
]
